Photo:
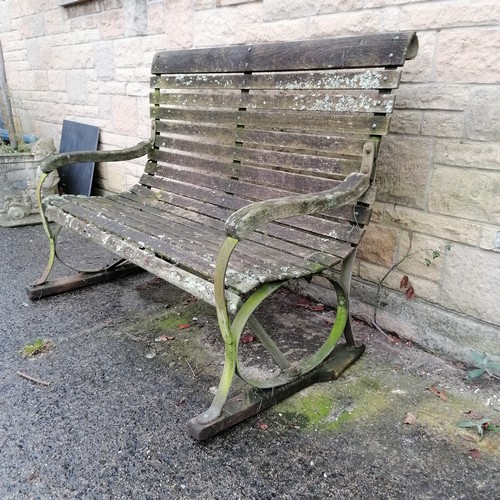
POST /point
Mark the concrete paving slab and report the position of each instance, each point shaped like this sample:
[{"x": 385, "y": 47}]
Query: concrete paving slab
[{"x": 124, "y": 380}]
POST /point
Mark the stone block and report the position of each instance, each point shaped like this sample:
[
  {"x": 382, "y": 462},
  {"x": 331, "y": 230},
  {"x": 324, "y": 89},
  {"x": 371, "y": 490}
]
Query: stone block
[
  {"x": 228, "y": 3},
  {"x": 77, "y": 56},
  {"x": 224, "y": 26},
  {"x": 390, "y": 19},
  {"x": 104, "y": 56},
  {"x": 345, "y": 24},
  {"x": 447, "y": 228},
  {"x": 124, "y": 115},
  {"x": 111, "y": 87},
  {"x": 432, "y": 96},
  {"x": 112, "y": 4},
  {"x": 449, "y": 14},
  {"x": 135, "y": 17},
  {"x": 32, "y": 54},
  {"x": 406, "y": 122},
  {"x": 87, "y": 23},
  {"x": 443, "y": 123},
  {"x": 31, "y": 26},
  {"x": 25, "y": 8},
  {"x": 157, "y": 18},
  {"x": 468, "y": 56},
  {"x": 468, "y": 154},
  {"x": 76, "y": 86},
  {"x": 470, "y": 280},
  {"x": 370, "y": 4},
  {"x": 403, "y": 168},
  {"x": 204, "y": 4},
  {"x": 54, "y": 21},
  {"x": 179, "y": 20},
  {"x": 277, "y": 10},
  {"x": 111, "y": 24},
  {"x": 295, "y": 29},
  {"x": 436, "y": 328},
  {"x": 378, "y": 245},
  {"x": 104, "y": 105},
  {"x": 483, "y": 116},
  {"x": 464, "y": 193},
  {"x": 424, "y": 289},
  {"x": 421, "y": 68},
  {"x": 5, "y": 17},
  {"x": 128, "y": 52},
  {"x": 421, "y": 255},
  {"x": 445, "y": 14},
  {"x": 490, "y": 238}
]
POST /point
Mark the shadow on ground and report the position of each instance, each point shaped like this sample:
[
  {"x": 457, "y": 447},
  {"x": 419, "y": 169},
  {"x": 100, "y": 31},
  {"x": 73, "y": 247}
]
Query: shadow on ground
[{"x": 125, "y": 378}]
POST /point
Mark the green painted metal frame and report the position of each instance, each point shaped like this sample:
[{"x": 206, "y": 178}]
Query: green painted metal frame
[
  {"x": 231, "y": 333},
  {"x": 85, "y": 276}
]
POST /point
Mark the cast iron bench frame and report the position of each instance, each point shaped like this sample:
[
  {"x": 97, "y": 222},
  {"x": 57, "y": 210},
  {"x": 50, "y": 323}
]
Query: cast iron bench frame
[{"x": 263, "y": 153}]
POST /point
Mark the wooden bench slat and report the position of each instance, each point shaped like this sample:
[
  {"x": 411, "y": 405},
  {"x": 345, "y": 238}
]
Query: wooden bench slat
[
  {"x": 214, "y": 132},
  {"x": 297, "y": 162},
  {"x": 238, "y": 178},
  {"x": 385, "y": 49},
  {"x": 272, "y": 119},
  {"x": 326, "y": 101},
  {"x": 303, "y": 173},
  {"x": 321, "y": 144},
  {"x": 198, "y": 98},
  {"x": 376, "y": 79}
]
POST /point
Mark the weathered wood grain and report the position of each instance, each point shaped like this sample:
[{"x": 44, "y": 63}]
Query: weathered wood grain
[
  {"x": 371, "y": 79},
  {"x": 387, "y": 49}
]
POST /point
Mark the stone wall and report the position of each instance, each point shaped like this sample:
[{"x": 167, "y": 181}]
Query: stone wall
[{"x": 439, "y": 175}]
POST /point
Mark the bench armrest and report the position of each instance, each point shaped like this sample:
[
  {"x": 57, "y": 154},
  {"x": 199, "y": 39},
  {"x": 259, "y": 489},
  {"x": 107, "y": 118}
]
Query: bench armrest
[
  {"x": 55, "y": 161},
  {"x": 240, "y": 224}
]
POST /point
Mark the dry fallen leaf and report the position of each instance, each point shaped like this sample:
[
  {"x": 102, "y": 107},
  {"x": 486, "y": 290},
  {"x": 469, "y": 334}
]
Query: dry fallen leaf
[
  {"x": 438, "y": 393},
  {"x": 263, "y": 426},
  {"x": 468, "y": 437},
  {"x": 410, "y": 293},
  {"x": 317, "y": 307},
  {"x": 474, "y": 453},
  {"x": 410, "y": 419},
  {"x": 474, "y": 415},
  {"x": 302, "y": 302},
  {"x": 163, "y": 338},
  {"x": 183, "y": 326}
]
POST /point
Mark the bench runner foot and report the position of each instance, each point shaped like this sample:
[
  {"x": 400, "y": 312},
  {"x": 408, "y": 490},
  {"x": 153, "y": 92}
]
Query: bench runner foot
[
  {"x": 250, "y": 403},
  {"x": 80, "y": 280}
]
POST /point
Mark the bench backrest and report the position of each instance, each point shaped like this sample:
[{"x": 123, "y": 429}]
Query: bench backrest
[{"x": 252, "y": 122}]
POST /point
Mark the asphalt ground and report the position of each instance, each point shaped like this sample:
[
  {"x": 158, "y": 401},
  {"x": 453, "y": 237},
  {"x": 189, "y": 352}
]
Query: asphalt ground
[{"x": 125, "y": 375}]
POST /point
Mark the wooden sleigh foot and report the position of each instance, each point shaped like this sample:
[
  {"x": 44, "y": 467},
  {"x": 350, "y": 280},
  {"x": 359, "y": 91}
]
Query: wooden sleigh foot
[
  {"x": 80, "y": 280},
  {"x": 253, "y": 401}
]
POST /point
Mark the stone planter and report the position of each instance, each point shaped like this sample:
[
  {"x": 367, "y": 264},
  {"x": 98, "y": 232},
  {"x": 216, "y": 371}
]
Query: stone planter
[{"x": 19, "y": 175}]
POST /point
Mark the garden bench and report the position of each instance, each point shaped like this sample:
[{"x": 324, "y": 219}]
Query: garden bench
[{"x": 260, "y": 170}]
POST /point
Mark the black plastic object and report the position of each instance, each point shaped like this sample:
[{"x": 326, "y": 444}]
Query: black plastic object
[{"x": 77, "y": 178}]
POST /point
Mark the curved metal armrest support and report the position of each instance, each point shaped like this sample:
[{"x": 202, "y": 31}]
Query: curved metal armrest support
[
  {"x": 240, "y": 224},
  {"x": 61, "y": 159}
]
